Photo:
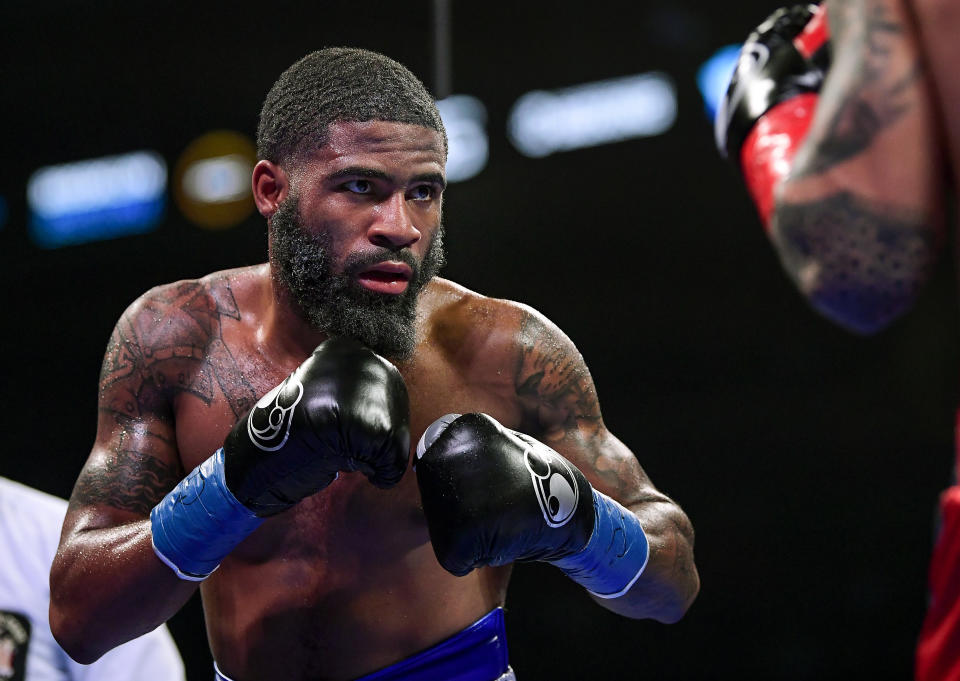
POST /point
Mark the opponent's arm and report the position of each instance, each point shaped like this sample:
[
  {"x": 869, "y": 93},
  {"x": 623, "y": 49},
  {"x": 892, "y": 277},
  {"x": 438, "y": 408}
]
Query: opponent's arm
[
  {"x": 858, "y": 219},
  {"x": 106, "y": 584},
  {"x": 845, "y": 168},
  {"x": 576, "y": 498}
]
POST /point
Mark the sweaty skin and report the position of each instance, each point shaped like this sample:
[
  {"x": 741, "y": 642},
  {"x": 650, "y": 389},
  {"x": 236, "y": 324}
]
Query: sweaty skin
[{"x": 346, "y": 581}]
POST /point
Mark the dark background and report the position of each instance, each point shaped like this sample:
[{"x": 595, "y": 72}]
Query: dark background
[{"x": 808, "y": 459}]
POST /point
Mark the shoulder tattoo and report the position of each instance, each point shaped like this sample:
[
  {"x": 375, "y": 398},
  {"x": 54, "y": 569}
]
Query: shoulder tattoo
[
  {"x": 553, "y": 383},
  {"x": 172, "y": 343}
]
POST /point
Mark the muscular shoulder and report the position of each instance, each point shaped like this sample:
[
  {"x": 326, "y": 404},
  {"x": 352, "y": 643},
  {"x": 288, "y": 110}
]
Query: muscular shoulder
[
  {"x": 164, "y": 335},
  {"x": 463, "y": 322},
  {"x": 185, "y": 311},
  {"x": 546, "y": 371}
]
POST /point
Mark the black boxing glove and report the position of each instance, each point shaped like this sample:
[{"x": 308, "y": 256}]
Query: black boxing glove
[
  {"x": 344, "y": 409},
  {"x": 769, "y": 104},
  {"x": 492, "y": 496}
]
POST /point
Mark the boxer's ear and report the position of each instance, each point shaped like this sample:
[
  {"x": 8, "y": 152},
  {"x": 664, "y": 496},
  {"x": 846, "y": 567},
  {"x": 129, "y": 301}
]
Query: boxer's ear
[{"x": 271, "y": 185}]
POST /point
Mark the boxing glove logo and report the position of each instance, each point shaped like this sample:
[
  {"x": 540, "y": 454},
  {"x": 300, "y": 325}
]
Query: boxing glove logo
[
  {"x": 269, "y": 422},
  {"x": 554, "y": 485}
]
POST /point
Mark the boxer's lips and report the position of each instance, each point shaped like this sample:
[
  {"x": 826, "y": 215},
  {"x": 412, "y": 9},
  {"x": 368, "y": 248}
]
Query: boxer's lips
[{"x": 386, "y": 277}]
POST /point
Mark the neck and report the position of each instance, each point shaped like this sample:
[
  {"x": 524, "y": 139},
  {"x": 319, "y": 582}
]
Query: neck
[{"x": 285, "y": 327}]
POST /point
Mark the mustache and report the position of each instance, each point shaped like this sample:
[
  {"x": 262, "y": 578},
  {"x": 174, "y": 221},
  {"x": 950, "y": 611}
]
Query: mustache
[{"x": 355, "y": 262}]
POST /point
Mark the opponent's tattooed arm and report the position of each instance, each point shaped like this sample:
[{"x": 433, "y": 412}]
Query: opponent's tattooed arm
[
  {"x": 879, "y": 82},
  {"x": 857, "y": 221},
  {"x": 560, "y": 407}
]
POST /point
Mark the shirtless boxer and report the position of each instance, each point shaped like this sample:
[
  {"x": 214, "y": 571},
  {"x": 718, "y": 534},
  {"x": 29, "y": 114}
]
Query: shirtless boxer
[
  {"x": 850, "y": 182},
  {"x": 251, "y": 443}
]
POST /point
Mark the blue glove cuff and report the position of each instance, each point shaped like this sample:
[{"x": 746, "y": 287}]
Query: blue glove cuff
[
  {"x": 199, "y": 522},
  {"x": 615, "y": 555}
]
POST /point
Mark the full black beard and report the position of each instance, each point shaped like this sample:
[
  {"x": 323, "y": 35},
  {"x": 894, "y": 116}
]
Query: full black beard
[{"x": 333, "y": 302}]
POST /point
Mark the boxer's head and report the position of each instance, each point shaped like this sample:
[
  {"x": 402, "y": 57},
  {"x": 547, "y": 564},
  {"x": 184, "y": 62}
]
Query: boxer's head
[
  {"x": 339, "y": 84},
  {"x": 358, "y": 144}
]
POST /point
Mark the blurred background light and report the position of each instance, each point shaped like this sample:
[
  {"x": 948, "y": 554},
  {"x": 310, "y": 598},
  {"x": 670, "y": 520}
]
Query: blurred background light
[
  {"x": 96, "y": 199},
  {"x": 218, "y": 180},
  {"x": 714, "y": 75},
  {"x": 212, "y": 179},
  {"x": 465, "y": 119},
  {"x": 543, "y": 122}
]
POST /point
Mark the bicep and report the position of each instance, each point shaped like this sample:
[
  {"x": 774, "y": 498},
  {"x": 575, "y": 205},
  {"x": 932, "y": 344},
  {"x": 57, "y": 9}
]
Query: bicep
[
  {"x": 858, "y": 220},
  {"x": 134, "y": 461},
  {"x": 561, "y": 408}
]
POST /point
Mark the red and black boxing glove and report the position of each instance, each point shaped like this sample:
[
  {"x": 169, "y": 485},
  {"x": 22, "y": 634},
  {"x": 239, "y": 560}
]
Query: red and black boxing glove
[{"x": 769, "y": 105}]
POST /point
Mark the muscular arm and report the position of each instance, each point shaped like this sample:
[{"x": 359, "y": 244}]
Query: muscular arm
[
  {"x": 107, "y": 585},
  {"x": 858, "y": 221},
  {"x": 560, "y": 407}
]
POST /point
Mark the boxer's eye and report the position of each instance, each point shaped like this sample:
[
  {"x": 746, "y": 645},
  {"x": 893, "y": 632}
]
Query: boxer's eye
[
  {"x": 422, "y": 192},
  {"x": 359, "y": 186}
]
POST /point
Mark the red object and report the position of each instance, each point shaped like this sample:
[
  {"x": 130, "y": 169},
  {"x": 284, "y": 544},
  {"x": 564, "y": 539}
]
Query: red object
[
  {"x": 938, "y": 647},
  {"x": 814, "y": 35},
  {"x": 768, "y": 151}
]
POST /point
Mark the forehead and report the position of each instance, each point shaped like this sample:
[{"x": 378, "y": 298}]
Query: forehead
[{"x": 383, "y": 145}]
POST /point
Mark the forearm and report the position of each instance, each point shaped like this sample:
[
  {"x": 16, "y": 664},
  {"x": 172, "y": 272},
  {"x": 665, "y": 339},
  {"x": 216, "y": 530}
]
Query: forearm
[
  {"x": 857, "y": 221},
  {"x": 858, "y": 262},
  {"x": 107, "y": 586},
  {"x": 669, "y": 583}
]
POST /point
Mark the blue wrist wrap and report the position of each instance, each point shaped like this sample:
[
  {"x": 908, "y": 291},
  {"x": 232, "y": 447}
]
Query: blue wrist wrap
[
  {"x": 200, "y": 521},
  {"x": 615, "y": 555}
]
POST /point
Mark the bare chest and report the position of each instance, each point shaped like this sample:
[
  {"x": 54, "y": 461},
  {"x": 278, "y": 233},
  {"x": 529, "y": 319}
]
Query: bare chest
[{"x": 230, "y": 378}]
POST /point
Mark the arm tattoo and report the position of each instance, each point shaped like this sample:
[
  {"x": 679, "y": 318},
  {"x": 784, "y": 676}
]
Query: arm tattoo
[
  {"x": 876, "y": 94},
  {"x": 173, "y": 344},
  {"x": 553, "y": 384},
  {"x": 130, "y": 481},
  {"x": 860, "y": 262},
  {"x": 169, "y": 344},
  {"x": 238, "y": 391},
  {"x": 560, "y": 407}
]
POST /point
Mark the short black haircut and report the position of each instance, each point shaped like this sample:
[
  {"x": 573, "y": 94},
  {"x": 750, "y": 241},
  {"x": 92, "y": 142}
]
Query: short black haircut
[{"x": 339, "y": 84}]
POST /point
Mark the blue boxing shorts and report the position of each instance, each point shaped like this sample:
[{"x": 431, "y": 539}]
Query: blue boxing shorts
[{"x": 478, "y": 653}]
